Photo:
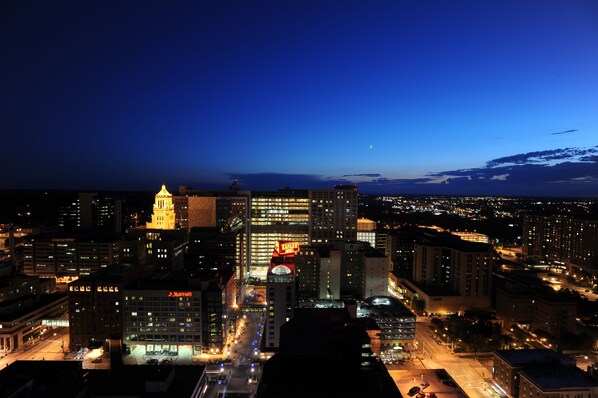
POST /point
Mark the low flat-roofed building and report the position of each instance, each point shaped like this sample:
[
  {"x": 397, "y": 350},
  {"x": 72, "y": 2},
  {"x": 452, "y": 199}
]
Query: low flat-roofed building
[
  {"x": 441, "y": 384},
  {"x": 396, "y": 322},
  {"x": 21, "y": 318},
  {"x": 559, "y": 381},
  {"x": 508, "y": 364},
  {"x": 68, "y": 379},
  {"x": 17, "y": 285},
  {"x": 63, "y": 379}
]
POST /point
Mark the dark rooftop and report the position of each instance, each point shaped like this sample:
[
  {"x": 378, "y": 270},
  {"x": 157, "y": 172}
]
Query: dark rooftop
[{"x": 552, "y": 377}]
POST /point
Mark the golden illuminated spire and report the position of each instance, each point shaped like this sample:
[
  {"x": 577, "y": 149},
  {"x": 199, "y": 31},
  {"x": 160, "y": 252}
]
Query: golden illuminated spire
[{"x": 163, "y": 215}]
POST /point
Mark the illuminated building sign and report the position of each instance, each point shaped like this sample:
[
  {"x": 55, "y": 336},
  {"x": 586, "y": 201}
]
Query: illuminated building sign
[
  {"x": 283, "y": 248},
  {"x": 180, "y": 294}
]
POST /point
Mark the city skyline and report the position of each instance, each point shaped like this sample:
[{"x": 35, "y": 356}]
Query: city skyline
[{"x": 411, "y": 97}]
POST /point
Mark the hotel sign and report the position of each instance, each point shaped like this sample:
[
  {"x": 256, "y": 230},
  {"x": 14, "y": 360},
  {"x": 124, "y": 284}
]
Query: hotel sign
[
  {"x": 283, "y": 248},
  {"x": 180, "y": 294}
]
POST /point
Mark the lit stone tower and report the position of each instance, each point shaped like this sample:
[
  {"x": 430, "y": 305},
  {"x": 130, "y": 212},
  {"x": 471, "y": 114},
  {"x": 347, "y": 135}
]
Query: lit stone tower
[{"x": 163, "y": 214}]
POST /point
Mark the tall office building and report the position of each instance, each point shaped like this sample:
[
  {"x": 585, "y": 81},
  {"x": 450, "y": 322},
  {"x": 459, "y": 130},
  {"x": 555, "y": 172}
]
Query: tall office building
[
  {"x": 224, "y": 210},
  {"x": 92, "y": 212},
  {"x": 398, "y": 246},
  {"x": 210, "y": 208},
  {"x": 265, "y": 217},
  {"x": 333, "y": 214},
  {"x": 163, "y": 216},
  {"x": 317, "y": 216},
  {"x": 565, "y": 239},
  {"x": 276, "y": 216}
]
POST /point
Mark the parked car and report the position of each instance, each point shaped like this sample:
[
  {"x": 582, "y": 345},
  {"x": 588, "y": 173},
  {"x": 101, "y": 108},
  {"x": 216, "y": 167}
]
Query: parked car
[
  {"x": 413, "y": 390},
  {"x": 425, "y": 385},
  {"x": 152, "y": 361}
]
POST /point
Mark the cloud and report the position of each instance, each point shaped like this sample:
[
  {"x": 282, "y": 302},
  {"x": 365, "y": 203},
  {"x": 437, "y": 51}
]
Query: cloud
[
  {"x": 565, "y": 132},
  {"x": 363, "y": 175},
  {"x": 544, "y": 156},
  {"x": 275, "y": 181},
  {"x": 565, "y": 172},
  {"x": 571, "y": 172}
]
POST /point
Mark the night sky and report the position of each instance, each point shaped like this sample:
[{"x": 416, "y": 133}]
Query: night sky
[{"x": 476, "y": 97}]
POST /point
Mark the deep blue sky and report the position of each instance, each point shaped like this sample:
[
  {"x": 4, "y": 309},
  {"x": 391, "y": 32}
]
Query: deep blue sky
[{"x": 449, "y": 97}]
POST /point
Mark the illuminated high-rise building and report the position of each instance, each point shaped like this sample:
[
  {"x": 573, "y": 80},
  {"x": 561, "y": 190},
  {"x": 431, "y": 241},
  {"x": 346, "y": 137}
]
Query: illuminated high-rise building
[
  {"x": 333, "y": 214},
  {"x": 316, "y": 216},
  {"x": 465, "y": 268},
  {"x": 276, "y": 216},
  {"x": 571, "y": 241},
  {"x": 163, "y": 213}
]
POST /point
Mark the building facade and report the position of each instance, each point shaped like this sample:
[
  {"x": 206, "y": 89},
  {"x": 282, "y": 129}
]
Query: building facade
[
  {"x": 333, "y": 214},
  {"x": 96, "y": 304},
  {"x": 68, "y": 256},
  {"x": 163, "y": 215},
  {"x": 463, "y": 267},
  {"x": 275, "y": 216},
  {"x": 563, "y": 239}
]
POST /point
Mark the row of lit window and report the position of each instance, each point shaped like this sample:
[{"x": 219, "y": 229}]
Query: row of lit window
[{"x": 110, "y": 289}]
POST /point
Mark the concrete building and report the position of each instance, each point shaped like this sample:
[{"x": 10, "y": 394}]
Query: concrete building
[
  {"x": 333, "y": 214},
  {"x": 69, "y": 255},
  {"x": 162, "y": 248},
  {"x": 96, "y": 304},
  {"x": 540, "y": 373},
  {"x": 343, "y": 269},
  {"x": 444, "y": 265},
  {"x": 92, "y": 212},
  {"x": 535, "y": 309},
  {"x": 172, "y": 311},
  {"x": 399, "y": 246},
  {"x": 558, "y": 381},
  {"x": 156, "y": 312},
  {"x": 265, "y": 217},
  {"x": 396, "y": 322},
  {"x": 563, "y": 239},
  {"x": 21, "y": 318}
]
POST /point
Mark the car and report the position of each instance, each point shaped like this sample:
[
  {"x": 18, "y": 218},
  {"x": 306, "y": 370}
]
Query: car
[
  {"x": 165, "y": 362},
  {"x": 152, "y": 361},
  {"x": 97, "y": 360},
  {"x": 425, "y": 385},
  {"x": 413, "y": 390}
]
